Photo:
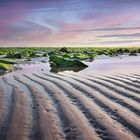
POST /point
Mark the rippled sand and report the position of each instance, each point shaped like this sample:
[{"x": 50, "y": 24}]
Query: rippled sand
[{"x": 100, "y": 102}]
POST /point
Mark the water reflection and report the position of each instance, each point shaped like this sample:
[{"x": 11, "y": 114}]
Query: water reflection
[
  {"x": 74, "y": 69},
  {"x": 102, "y": 64},
  {"x": 118, "y": 64}
]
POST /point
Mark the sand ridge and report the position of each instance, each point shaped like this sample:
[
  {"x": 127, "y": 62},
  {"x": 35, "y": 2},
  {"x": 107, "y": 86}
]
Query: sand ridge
[{"x": 70, "y": 106}]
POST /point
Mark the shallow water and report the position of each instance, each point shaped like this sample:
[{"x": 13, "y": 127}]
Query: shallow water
[
  {"x": 102, "y": 64},
  {"x": 118, "y": 64}
]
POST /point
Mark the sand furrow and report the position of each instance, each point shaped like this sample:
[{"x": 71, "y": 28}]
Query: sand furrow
[
  {"x": 92, "y": 111},
  {"x": 137, "y": 75},
  {"x": 19, "y": 124},
  {"x": 100, "y": 130},
  {"x": 114, "y": 86},
  {"x": 8, "y": 89},
  {"x": 107, "y": 92},
  {"x": 134, "y": 79},
  {"x": 75, "y": 124},
  {"x": 3, "y": 109},
  {"x": 119, "y": 112},
  {"x": 32, "y": 103},
  {"x": 130, "y": 78},
  {"x": 70, "y": 106},
  {"x": 125, "y": 82},
  {"x": 111, "y": 94},
  {"x": 121, "y": 78},
  {"x": 127, "y": 85},
  {"x": 48, "y": 125}
]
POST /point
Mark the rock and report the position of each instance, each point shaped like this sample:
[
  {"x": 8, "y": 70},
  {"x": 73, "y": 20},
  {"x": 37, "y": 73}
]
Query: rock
[
  {"x": 133, "y": 54},
  {"x": 15, "y": 55},
  {"x": 88, "y": 53},
  {"x": 64, "y": 49},
  {"x": 45, "y": 55},
  {"x": 33, "y": 54},
  {"x": 58, "y": 61}
]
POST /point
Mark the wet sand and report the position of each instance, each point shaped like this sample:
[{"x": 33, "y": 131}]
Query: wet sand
[
  {"x": 101, "y": 102},
  {"x": 119, "y": 64}
]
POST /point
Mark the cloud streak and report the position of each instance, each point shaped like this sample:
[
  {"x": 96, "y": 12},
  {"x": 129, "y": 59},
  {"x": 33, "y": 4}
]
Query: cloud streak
[
  {"x": 68, "y": 23},
  {"x": 105, "y": 29},
  {"x": 120, "y": 35}
]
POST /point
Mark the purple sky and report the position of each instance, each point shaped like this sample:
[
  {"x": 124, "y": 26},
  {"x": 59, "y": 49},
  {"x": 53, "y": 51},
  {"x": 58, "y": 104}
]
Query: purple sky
[{"x": 71, "y": 23}]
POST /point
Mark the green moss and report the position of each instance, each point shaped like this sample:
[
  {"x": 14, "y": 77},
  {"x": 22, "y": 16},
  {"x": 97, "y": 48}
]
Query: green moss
[
  {"x": 25, "y": 53},
  {"x": 33, "y": 54},
  {"x": 66, "y": 55},
  {"x": 45, "y": 55},
  {"x": 70, "y": 53},
  {"x": 8, "y": 61},
  {"x": 58, "y": 61},
  {"x": 6, "y": 67},
  {"x": 52, "y": 53},
  {"x": 29, "y": 59},
  {"x": 64, "y": 49},
  {"x": 14, "y": 55},
  {"x": 81, "y": 56}
]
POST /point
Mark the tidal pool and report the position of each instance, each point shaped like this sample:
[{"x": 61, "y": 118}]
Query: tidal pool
[
  {"x": 118, "y": 64},
  {"x": 102, "y": 64}
]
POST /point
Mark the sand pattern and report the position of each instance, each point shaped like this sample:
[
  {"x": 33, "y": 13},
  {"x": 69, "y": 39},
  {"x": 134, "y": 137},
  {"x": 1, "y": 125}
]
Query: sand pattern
[{"x": 70, "y": 106}]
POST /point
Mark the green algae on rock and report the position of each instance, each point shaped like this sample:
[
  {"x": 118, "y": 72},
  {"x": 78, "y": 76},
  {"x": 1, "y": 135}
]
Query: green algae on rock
[{"x": 58, "y": 61}]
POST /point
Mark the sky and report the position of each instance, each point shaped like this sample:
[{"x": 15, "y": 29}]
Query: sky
[{"x": 69, "y": 23}]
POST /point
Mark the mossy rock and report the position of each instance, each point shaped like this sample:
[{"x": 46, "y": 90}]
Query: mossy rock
[
  {"x": 14, "y": 55},
  {"x": 82, "y": 56},
  {"x": 79, "y": 56},
  {"x": 66, "y": 55},
  {"x": 33, "y": 54},
  {"x": 45, "y": 55},
  {"x": 6, "y": 67},
  {"x": 8, "y": 61},
  {"x": 64, "y": 49},
  {"x": 88, "y": 52},
  {"x": 25, "y": 53},
  {"x": 52, "y": 53},
  {"x": 58, "y": 61},
  {"x": 133, "y": 54}
]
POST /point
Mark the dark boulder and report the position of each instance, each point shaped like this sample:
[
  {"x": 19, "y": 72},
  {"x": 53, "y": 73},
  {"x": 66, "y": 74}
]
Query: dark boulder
[
  {"x": 58, "y": 61},
  {"x": 64, "y": 49}
]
